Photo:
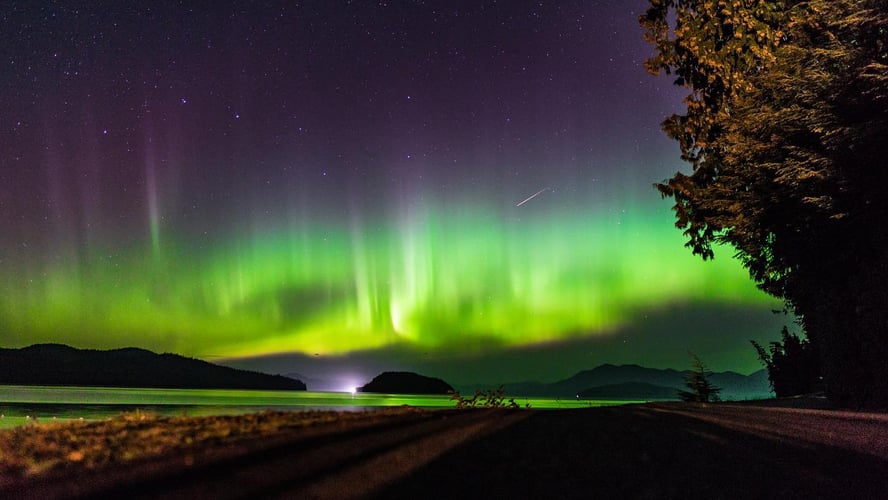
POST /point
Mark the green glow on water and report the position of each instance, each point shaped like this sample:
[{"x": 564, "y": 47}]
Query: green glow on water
[
  {"x": 433, "y": 279},
  {"x": 20, "y": 405}
]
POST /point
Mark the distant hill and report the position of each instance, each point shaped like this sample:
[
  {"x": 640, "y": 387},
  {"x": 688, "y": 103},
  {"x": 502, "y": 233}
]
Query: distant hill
[
  {"x": 56, "y": 364},
  {"x": 316, "y": 384},
  {"x": 734, "y": 385},
  {"x": 628, "y": 391},
  {"x": 406, "y": 383}
]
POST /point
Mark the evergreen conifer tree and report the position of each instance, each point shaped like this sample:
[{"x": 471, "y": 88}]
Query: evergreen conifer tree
[{"x": 701, "y": 390}]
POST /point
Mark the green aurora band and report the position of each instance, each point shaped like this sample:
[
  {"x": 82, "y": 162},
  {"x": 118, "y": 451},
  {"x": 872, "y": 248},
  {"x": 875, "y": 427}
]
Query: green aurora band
[{"x": 457, "y": 278}]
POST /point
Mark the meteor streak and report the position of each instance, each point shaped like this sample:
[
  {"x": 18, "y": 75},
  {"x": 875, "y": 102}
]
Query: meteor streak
[{"x": 534, "y": 195}]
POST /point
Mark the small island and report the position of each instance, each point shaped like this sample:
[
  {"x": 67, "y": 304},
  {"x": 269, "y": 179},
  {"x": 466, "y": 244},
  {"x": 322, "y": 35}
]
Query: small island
[
  {"x": 62, "y": 365},
  {"x": 406, "y": 383}
]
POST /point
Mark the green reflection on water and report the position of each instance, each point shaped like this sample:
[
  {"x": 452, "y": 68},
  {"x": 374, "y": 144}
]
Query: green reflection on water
[{"x": 27, "y": 404}]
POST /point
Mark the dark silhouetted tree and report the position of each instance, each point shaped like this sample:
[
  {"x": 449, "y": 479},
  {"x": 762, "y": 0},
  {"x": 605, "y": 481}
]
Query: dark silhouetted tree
[
  {"x": 793, "y": 365},
  {"x": 786, "y": 131},
  {"x": 700, "y": 388}
]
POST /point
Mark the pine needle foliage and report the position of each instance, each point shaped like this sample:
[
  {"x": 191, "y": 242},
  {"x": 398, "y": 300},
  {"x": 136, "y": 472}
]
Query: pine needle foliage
[
  {"x": 786, "y": 135},
  {"x": 700, "y": 389}
]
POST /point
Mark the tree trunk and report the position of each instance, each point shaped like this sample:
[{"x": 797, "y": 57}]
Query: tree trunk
[{"x": 850, "y": 327}]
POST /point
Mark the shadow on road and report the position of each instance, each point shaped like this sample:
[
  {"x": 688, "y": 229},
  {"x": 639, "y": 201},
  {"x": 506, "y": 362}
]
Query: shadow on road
[{"x": 646, "y": 452}]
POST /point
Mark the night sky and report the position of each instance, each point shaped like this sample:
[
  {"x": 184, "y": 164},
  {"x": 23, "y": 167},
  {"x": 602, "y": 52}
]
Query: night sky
[{"x": 462, "y": 188}]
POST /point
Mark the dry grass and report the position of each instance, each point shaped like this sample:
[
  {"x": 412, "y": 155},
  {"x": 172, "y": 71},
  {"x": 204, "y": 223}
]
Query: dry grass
[{"x": 36, "y": 449}]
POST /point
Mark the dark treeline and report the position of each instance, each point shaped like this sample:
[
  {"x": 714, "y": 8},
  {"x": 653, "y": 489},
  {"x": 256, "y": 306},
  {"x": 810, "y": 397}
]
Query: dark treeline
[
  {"x": 792, "y": 363},
  {"x": 54, "y": 364},
  {"x": 786, "y": 132}
]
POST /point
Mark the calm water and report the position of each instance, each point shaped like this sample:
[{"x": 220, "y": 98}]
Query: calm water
[{"x": 23, "y": 404}]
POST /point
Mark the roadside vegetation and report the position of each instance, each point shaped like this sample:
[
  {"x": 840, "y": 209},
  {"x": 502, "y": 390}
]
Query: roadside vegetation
[
  {"x": 491, "y": 398},
  {"x": 793, "y": 365}
]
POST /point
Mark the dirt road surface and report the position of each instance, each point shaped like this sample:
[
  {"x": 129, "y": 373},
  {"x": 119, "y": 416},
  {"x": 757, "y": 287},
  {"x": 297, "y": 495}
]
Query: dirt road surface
[{"x": 645, "y": 451}]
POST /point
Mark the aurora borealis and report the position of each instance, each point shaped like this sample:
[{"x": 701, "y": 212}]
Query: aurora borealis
[{"x": 345, "y": 179}]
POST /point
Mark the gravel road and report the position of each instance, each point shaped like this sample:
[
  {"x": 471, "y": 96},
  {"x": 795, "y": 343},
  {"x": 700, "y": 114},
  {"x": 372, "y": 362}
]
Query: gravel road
[{"x": 644, "y": 451}]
